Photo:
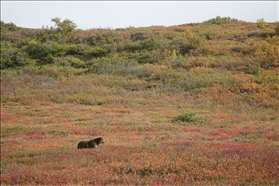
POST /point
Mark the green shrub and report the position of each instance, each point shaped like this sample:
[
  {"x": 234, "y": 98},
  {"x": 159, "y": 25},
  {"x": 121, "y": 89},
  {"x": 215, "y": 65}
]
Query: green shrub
[
  {"x": 11, "y": 57},
  {"x": 101, "y": 51},
  {"x": 189, "y": 116},
  {"x": 261, "y": 23},
  {"x": 44, "y": 52},
  {"x": 8, "y": 26},
  {"x": 253, "y": 69},
  {"x": 69, "y": 61},
  {"x": 144, "y": 56},
  {"x": 150, "y": 44},
  {"x": 221, "y": 20},
  {"x": 195, "y": 41},
  {"x": 189, "y": 42},
  {"x": 129, "y": 46},
  {"x": 78, "y": 49}
]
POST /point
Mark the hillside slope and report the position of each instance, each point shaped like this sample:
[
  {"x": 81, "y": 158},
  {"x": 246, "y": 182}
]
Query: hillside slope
[{"x": 193, "y": 104}]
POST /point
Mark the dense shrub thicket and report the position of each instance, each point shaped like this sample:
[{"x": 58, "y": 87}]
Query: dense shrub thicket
[{"x": 189, "y": 57}]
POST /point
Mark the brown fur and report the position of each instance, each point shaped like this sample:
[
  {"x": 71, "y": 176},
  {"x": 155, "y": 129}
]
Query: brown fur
[{"x": 90, "y": 144}]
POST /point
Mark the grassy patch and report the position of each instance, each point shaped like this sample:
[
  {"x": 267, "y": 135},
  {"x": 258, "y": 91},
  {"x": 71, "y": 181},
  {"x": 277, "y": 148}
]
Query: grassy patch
[{"x": 191, "y": 117}]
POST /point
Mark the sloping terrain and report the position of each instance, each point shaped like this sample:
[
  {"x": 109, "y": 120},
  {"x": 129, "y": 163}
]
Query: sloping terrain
[{"x": 193, "y": 104}]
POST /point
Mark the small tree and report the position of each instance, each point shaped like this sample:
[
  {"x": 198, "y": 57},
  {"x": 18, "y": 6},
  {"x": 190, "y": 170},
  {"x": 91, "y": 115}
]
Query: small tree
[
  {"x": 261, "y": 23},
  {"x": 65, "y": 27}
]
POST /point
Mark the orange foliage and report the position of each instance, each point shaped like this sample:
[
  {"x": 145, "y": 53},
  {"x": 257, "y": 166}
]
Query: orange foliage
[{"x": 251, "y": 87}]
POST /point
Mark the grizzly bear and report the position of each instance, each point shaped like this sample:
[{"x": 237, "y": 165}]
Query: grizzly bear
[{"x": 90, "y": 144}]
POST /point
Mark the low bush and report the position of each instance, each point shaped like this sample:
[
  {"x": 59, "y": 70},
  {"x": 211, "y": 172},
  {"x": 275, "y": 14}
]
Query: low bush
[
  {"x": 69, "y": 61},
  {"x": 190, "y": 116},
  {"x": 261, "y": 23}
]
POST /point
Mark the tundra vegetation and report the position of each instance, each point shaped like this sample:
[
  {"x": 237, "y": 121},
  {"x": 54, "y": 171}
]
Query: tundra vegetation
[{"x": 191, "y": 104}]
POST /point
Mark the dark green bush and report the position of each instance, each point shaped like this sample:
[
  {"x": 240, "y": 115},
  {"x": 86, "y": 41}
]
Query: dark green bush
[
  {"x": 154, "y": 56},
  {"x": 221, "y": 20},
  {"x": 44, "y": 52},
  {"x": 13, "y": 58},
  {"x": 150, "y": 44},
  {"x": 129, "y": 46},
  {"x": 99, "y": 51},
  {"x": 76, "y": 49}
]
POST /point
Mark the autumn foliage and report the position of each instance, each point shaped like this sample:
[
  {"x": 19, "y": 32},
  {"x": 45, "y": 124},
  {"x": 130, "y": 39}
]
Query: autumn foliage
[{"x": 192, "y": 104}]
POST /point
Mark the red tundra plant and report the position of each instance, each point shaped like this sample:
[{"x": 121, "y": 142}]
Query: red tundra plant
[
  {"x": 272, "y": 135},
  {"x": 248, "y": 130},
  {"x": 16, "y": 178},
  {"x": 191, "y": 129},
  {"x": 233, "y": 145},
  {"x": 6, "y": 117},
  {"x": 34, "y": 136},
  {"x": 222, "y": 134}
]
